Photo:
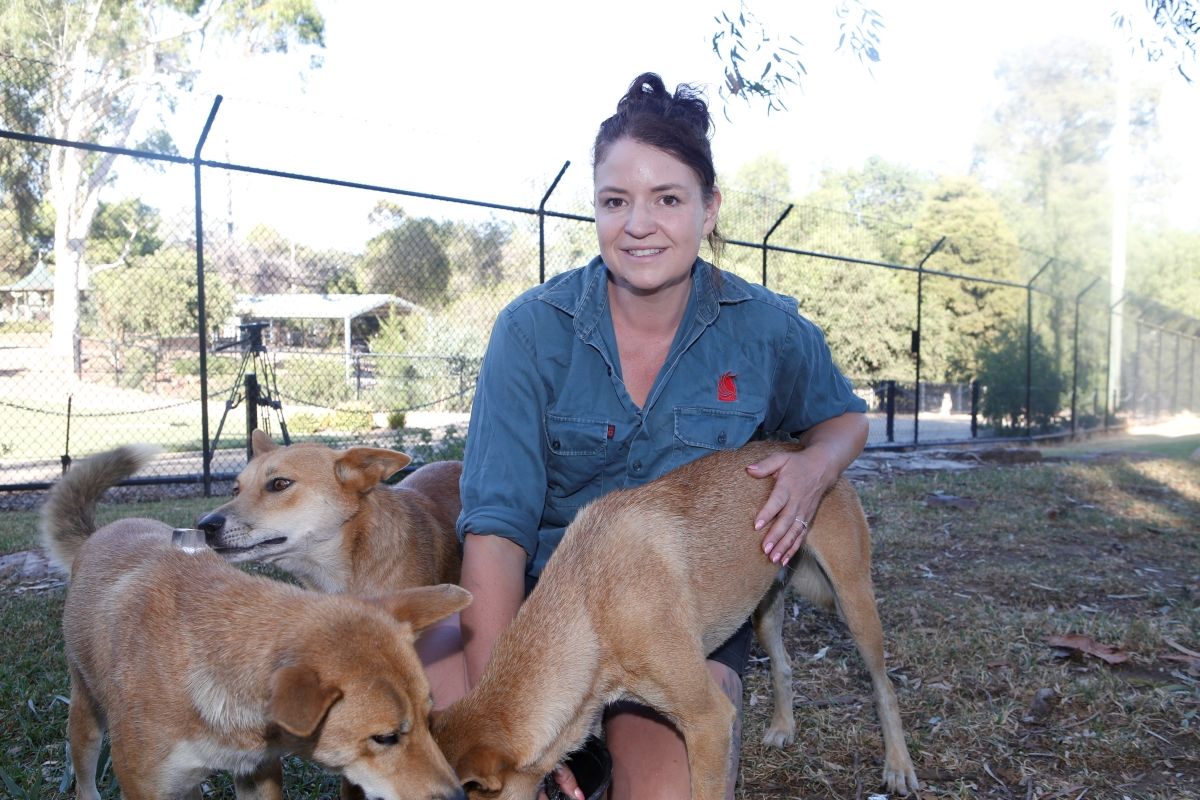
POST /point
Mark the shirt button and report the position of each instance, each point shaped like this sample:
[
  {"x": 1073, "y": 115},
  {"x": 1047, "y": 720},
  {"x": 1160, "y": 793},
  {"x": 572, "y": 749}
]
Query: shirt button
[
  {"x": 637, "y": 466},
  {"x": 721, "y": 438},
  {"x": 556, "y": 445}
]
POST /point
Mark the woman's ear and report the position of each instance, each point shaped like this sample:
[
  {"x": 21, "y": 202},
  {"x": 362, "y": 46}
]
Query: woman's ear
[{"x": 710, "y": 211}]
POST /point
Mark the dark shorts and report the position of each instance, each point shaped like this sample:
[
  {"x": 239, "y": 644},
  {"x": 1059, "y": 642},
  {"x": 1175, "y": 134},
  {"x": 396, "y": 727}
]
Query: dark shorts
[{"x": 735, "y": 653}]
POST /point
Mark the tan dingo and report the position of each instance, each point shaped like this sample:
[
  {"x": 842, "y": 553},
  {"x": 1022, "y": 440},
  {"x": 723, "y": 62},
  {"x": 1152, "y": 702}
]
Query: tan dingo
[
  {"x": 194, "y": 666},
  {"x": 323, "y": 516},
  {"x": 645, "y": 583}
]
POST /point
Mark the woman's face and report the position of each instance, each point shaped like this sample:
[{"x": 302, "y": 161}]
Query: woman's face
[{"x": 650, "y": 216}]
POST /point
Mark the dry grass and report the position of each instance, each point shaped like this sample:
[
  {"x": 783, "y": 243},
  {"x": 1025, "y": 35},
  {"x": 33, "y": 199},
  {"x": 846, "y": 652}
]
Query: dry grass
[
  {"x": 968, "y": 597},
  {"x": 1109, "y": 549}
]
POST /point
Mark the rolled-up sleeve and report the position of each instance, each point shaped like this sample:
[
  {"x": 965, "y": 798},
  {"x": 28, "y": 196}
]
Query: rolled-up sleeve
[
  {"x": 504, "y": 474},
  {"x": 811, "y": 388}
]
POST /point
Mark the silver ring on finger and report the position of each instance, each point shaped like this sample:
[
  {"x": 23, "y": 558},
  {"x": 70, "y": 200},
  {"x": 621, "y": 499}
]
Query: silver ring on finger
[{"x": 800, "y": 521}]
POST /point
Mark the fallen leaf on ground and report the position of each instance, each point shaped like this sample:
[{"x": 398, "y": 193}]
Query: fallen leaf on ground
[{"x": 1086, "y": 644}]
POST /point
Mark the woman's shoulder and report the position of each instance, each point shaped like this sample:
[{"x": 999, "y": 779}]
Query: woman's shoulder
[
  {"x": 563, "y": 291},
  {"x": 734, "y": 289}
]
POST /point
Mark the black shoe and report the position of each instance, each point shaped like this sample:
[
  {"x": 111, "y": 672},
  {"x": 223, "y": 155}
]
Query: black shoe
[{"x": 592, "y": 767}]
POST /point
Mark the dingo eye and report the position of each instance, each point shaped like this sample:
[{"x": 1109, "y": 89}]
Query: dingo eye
[
  {"x": 278, "y": 485},
  {"x": 387, "y": 739}
]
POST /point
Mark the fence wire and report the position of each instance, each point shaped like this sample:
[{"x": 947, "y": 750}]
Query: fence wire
[{"x": 380, "y": 341}]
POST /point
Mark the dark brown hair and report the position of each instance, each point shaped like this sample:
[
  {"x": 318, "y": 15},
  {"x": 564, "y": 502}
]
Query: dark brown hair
[{"x": 676, "y": 123}]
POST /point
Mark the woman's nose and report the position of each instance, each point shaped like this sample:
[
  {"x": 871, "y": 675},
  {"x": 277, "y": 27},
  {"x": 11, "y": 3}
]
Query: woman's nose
[{"x": 640, "y": 221}]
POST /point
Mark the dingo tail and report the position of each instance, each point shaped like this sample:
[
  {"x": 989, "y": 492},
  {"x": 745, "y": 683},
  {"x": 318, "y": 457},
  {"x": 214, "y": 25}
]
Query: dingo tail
[{"x": 68, "y": 516}]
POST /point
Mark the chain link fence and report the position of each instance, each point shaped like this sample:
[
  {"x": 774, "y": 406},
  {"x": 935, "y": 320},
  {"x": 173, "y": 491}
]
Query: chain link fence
[{"x": 192, "y": 327}]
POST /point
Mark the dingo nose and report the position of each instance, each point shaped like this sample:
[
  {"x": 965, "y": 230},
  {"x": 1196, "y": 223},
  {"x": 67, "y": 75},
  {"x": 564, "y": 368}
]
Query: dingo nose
[{"x": 212, "y": 524}]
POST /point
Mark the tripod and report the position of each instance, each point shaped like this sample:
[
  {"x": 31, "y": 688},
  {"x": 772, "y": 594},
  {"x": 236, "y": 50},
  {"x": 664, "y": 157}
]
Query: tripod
[{"x": 257, "y": 395}]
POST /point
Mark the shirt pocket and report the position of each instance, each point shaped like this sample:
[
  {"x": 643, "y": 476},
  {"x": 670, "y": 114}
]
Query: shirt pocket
[
  {"x": 707, "y": 429},
  {"x": 578, "y": 448}
]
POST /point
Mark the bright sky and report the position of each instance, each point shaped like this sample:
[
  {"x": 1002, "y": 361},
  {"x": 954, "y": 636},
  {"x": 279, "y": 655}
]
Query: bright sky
[{"x": 487, "y": 100}]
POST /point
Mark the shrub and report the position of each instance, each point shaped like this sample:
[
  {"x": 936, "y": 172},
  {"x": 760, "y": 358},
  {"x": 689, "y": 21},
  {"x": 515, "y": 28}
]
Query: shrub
[
  {"x": 1002, "y": 371},
  {"x": 303, "y": 423},
  {"x": 352, "y": 416},
  {"x": 315, "y": 381}
]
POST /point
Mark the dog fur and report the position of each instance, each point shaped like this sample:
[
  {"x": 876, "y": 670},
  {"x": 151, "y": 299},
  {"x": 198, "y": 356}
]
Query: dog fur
[
  {"x": 194, "y": 666},
  {"x": 646, "y": 582},
  {"x": 324, "y": 516}
]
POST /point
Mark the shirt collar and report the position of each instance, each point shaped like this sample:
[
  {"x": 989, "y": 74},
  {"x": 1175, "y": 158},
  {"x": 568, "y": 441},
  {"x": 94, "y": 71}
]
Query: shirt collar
[{"x": 587, "y": 299}]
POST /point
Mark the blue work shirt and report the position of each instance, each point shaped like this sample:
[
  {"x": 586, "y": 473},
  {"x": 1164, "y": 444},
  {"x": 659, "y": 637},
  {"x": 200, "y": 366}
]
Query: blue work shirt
[{"x": 553, "y": 427}]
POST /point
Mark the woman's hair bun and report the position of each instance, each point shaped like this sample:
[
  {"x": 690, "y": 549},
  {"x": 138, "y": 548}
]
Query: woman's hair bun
[{"x": 649, "y": 95}]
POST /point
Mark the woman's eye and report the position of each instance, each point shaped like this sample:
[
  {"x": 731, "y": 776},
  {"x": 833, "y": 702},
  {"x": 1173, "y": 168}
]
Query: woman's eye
[
  {"x": 612, "y": 202},
  {"x": 670, "y": 200},
  {"x": 278, "y": 485}
]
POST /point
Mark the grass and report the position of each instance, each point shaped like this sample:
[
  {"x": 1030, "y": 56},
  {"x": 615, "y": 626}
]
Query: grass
[
  {"x": 1106, "y": 548},
  {"x": 1164, "y": 446}
]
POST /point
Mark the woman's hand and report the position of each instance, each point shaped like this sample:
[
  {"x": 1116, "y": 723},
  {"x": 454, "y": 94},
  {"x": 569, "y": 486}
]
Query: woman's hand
[
  {"x": 793, "y": 502},
  {"x": 566, "y": 784},
  {"x": 801, "y": 480}
]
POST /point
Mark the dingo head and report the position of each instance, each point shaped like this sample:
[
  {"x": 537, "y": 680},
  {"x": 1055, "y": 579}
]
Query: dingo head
[{"x": 358, "y": 701}]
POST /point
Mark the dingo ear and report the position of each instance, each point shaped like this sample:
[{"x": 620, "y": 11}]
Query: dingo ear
[
  {"x": 298, "y": 700},
  {"x": 362, "y": 468},
  {"x": 425, "y": 605},
  {"x": 260, "y": 443},
  {"x": 485, "y": 767}
]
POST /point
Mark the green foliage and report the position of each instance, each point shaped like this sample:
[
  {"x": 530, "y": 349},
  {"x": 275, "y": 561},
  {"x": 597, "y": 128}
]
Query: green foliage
[
  {"x": 220, "y": 368},
  {"x": 978, "y": 242},
  {"x": 883, "y": 197},
  {"x": 1002, "y": 372},
  {"x": 756, "y": 67},
  {"x": 154, "y": 296},
  {"x": 117, "y": 65},
  {"x": 138, "y": 368},
  {"x": 408, "y": 258},
  {"x": 350, "y": 416},
  {"x": 315, "y": 381},
  {"x": 304, "y": 423},
  {"x": 421, "y": 445},
  {"x": 122, "y": 231},
  {"x": 396, "y": 419},
  {"x": 1164, "y": 265},
  {"x": 270, "y": 25},
  {"x": 767, "y": 175}
]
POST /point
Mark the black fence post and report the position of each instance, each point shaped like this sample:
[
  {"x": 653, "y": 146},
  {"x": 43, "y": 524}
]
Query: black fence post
[
  {"x": 778, "y": 222},
  {"x": 1075, "y": 353},
  {"x": 916, "y": 340},
  {"x": 1108, "y": 362},
  {"x": 1175, "y": 386},
  {"x": 1029, "y": 349},
  {"x": 891, "y": 411},
  {"x": 201, "y": 311},
  {"x": 542, "y": 223},
  {"x": 1137, "y": 365},
  {"x": 252, "y": 401},
  {"x": 1158, "y": 372},
  {"x": 975, "y": 391}
]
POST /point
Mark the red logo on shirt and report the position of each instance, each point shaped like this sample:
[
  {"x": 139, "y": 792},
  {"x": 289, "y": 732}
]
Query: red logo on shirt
[{"x": 726, "y": 388}]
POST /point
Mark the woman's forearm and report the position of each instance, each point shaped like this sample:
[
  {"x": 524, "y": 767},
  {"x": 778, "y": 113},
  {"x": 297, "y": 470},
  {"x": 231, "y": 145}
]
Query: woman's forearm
[
  {"x": 493, "y": 571},
  {"x": 838, "y": 441}
]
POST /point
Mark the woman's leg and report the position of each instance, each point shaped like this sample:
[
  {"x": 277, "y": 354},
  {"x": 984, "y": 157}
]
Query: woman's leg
[{"x": 649, "y": 756}]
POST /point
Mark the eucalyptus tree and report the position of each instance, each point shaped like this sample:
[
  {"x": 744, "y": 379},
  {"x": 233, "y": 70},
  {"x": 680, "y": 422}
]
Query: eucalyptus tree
[{"x": 104, "y": 71}]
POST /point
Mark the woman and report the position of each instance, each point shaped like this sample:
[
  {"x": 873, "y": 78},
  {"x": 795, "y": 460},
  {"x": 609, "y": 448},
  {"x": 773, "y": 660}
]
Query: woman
[{"x": 616, "y": 372}]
